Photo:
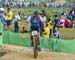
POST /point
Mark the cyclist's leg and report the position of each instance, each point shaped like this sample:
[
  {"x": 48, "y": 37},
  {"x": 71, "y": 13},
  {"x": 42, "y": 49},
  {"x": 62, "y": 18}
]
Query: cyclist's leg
[
  {"x": 38, "y": 38},
  {"x": 31, "y": 37}
]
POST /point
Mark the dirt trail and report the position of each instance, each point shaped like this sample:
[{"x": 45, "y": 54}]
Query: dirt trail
[{"x": 28, "y": 55}]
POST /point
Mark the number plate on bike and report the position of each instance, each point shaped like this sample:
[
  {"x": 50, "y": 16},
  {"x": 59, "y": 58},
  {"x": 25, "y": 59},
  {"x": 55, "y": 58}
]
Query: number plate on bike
[{"x": 34, "y": 33}]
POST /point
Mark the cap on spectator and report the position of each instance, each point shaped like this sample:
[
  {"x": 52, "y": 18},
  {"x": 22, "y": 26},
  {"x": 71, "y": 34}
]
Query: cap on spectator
[{"x": 1, "y": 9}]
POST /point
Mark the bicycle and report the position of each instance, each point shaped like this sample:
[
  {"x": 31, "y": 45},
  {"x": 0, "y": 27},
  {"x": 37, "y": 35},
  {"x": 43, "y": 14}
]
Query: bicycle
[{"x": 35, "y": 43}]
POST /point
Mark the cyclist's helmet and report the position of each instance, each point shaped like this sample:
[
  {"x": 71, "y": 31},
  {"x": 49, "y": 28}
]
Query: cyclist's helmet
[{"x": 35, "y": 13}]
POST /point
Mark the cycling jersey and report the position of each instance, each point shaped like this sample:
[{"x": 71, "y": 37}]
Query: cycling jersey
[{"x": 37, "y": 24}]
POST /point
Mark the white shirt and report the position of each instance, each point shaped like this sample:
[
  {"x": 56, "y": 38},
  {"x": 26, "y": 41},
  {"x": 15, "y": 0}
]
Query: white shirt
[
  {"x": 62, "y": 21},
  {"x": 17, "y": 18},
  {"x": 72, "y": 12},
  {"x": 43, "y": 18}
]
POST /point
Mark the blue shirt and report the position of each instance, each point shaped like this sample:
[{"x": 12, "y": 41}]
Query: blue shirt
[
  {"x": 57, "y": 21},
  {"x": 37, "y": 24},
  {"x": 73, "y": 15},
  {"x": 2, "y": 18}
]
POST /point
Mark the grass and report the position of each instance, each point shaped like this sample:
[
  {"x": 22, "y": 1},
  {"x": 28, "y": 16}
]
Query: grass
[
  {"x": 67, "y": 33},
  {"x": 50, "y": 12}
]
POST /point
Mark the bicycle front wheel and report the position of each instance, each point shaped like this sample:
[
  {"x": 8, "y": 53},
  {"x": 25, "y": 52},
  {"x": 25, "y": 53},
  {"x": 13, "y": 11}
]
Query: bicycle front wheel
[{"x": 35, "y": 49}]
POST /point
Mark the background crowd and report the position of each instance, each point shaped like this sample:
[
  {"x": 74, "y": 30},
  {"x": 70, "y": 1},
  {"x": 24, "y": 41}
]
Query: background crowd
[{"x": 62, "y": 21}]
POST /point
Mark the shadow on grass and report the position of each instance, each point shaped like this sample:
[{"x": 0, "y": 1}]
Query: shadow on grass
[{"x": 2, "y": 54}]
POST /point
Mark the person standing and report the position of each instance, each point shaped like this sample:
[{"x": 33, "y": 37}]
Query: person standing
[
  {"x": 56, "y": 23},
  {"x": 57, "y": 37},
  {"x": 9, "y": 17},
  {"x": 72, "y": 13},
  {"x": 26, "y": 25},
  {"x": 46, "y": 36},
  {"x": 17, "y": 22},
  {"x": 50, "y": 25},
  {"x": 42, "y": 26},
  {"x": 62, "y": 20}
]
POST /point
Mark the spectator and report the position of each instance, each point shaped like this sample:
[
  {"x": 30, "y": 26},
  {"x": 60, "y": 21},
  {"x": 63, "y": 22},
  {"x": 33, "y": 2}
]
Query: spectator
[
  {"x": 57, "y": 37},
  {"x": 62, "y": 20},
  {"x": 9, "y": 17},
  {"x": 26, "y": 25},
  {"x": 56, "y": 33},
  {"x": 2, "y": 17},
  {"x": 73, "y": 22},
  {"x": 46, "y": 36},
  {"x": 56, "y": 22},
  {"x": 43, "y": 17},
  {"x": 42, "y": 26},
  {"x": 70, "y": 20},
  {"x": 50, "y": 25},
  {"x": 72, "y": 13},
  {"x": 17, "y": 22},
  {"x": 6, "y": 3}
]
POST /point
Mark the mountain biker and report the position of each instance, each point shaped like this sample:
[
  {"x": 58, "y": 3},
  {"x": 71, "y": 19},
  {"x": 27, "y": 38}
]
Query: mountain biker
[{"x": 35, "y": 25}]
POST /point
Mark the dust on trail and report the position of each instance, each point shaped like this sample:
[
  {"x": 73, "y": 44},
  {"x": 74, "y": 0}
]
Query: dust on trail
[
  {"x": 42, "y": 56},
  {"x": 28, "y": 55}
]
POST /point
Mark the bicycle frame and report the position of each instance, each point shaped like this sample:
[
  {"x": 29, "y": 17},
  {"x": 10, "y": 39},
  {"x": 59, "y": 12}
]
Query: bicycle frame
[{"x": 34, "y": 33}]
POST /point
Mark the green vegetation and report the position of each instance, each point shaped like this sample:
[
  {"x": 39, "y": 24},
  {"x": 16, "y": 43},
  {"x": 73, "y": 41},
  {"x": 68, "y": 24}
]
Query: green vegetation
[{"x": 50, "y": 12}]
